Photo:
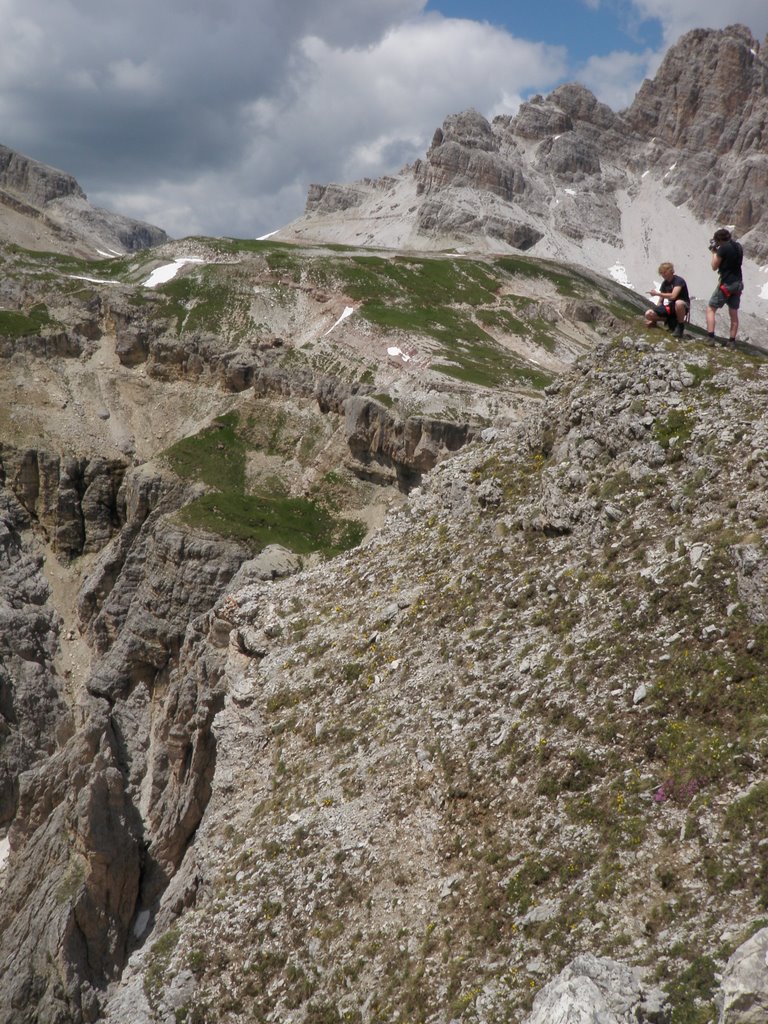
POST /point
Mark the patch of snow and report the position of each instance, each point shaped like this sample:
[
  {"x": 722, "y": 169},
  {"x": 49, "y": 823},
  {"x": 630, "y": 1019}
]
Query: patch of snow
[
  {"x": 645, "y": 172},
  {"x": 348, "y": 311},
  {"x": 93, "y": 280},
  {"x": 674, "y": 165},
  {"x": 140, "y": 925},
  {"x": 109, "y": 254},
  {"x": 764, "y": 292},
  {"x": 619, "y": 273},
  {"x": 396, "y": 353},
  {"x": 5, "y": 851},
  {"x": 263, "y": 238},
  {"x": 570, "y": 191},
  {"x": 167, "y": 272}
]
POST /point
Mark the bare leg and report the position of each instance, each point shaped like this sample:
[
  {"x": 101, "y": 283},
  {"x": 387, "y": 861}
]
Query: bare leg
[
  {"x": 734, "y": 313},
  {"x": 710, "y": 320}
]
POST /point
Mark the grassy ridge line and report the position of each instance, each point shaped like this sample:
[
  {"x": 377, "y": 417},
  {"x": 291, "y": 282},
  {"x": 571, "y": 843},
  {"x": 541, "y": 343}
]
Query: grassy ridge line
[{"x": 464, "y": 306}]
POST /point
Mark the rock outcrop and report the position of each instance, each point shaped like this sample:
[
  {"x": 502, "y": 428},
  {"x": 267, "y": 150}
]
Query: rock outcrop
[
  {"x": 36, "y": 182},
  {"x": 592, "y": 989},
  {"x": 41, "y": 207},
  {"x": 745, "y": 983},
  {"x": 408, "y": 448},
  {"x": 706, "y": 112},
  {"x": 74, "y": 501}
]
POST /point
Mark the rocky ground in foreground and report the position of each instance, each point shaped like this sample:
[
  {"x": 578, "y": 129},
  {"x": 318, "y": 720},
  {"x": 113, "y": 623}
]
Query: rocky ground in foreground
[
  {"x": 526, "y": 721},
  {"x": 251, "y": 771}
]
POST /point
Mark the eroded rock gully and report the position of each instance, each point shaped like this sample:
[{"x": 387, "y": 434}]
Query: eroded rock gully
[
  {"x": 105, "y": 778},
  {"x": 106, "y": 774}
]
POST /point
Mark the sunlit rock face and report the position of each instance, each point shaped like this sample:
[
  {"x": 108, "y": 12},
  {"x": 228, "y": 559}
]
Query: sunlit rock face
[{"x": 565, "y": 165}]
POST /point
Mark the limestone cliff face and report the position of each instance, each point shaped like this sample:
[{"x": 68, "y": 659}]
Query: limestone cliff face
[
  {"x": 36, "y": 182},
  {"x": 74, "y": 500},
  {"x": 465, "y": 152},
  {"x": 709, "y": 103},
  {"x": 105, "y": 777},
  {"x": 34, "y": 716}
]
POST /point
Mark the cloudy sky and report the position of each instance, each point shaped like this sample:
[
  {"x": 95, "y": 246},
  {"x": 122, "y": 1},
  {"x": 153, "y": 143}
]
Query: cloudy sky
[{"x": 213, "y": 116}]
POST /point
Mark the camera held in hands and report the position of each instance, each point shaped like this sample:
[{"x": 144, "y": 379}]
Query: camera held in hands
[{"x": 712, "y": 245}]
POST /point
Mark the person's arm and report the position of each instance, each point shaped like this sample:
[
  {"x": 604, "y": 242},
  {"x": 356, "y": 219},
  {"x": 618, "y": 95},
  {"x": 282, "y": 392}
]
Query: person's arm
[
  {"x": 672, "y": 294},
  {"x": 717, "y": 259}
]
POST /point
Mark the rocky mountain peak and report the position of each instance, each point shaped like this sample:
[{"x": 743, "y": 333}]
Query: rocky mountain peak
[
  {"x": 468, "y": 129},
  {"x": 33, "y": 181},
  {"x": 709, "y": 94},
  {"x": 568, "y": 178},
  {"x": 582, "y": 105},
  {"x": 709, "y": 104},
  {"x": 539, "y": 119},
  {"x": 44, "y": 208}
]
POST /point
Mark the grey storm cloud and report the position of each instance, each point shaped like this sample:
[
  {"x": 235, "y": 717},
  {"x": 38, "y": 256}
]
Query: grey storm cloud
[{"x": 158, "y": 85}]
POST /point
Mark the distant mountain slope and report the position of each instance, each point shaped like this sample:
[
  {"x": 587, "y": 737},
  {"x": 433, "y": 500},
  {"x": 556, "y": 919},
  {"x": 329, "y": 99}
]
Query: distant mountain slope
[
  {"x": 568, "y": 178},
  {"x": 43, "y": 208}
]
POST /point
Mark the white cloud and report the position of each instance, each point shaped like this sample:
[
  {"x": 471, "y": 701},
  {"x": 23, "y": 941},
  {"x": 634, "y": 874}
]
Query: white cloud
[
  {"x": 130, "y": 76},
  {"x": 342, "y": 113},
  {"x": 683, "y": 15},
  {"x": 384, "y": 103},
  {"x": 616, "y": 77}
]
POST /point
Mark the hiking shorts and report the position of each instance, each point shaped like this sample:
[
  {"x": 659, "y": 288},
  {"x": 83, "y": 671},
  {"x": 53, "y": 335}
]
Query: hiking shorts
[
  {"x": 720, "y": 299},
  {"x": 666, "y": 312},
  {"x": 662, "y": 311}
]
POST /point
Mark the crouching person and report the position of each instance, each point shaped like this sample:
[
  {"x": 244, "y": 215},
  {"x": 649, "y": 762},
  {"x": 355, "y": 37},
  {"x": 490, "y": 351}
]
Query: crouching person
[{"x": 674, "y": 301}]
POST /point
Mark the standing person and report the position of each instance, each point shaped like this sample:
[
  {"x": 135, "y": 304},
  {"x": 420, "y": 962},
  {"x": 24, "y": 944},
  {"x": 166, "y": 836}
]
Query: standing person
[
  {"x": 727, "y": 256},
  {"x": 674, "y": 301}
]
